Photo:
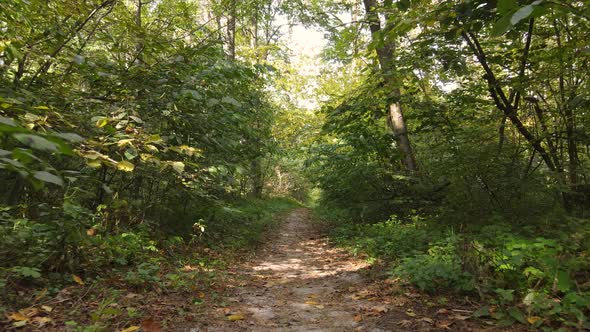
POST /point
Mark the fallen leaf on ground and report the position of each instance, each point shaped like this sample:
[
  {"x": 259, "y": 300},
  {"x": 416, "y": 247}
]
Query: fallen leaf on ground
[
  {"x": 235, "y": 317},
  {"x": 77, "y": 279},
  {"x": 131, "y": 329},
  {"x": 361, "y": 295},
  {"x": 29, "y": 312},
  {"x": 358, "y": 318},
  {"x": 310, "y": 302},
  {"x": 380, "y": 309},
  {"x": 405, "y": 323},
  {"x": 427, "y": 320},
  {"x": 444, "y": 324},
  {"x": 410, "y": 313},
  {"x": 389, "y": 281},
  {"x": 47, "y": 308},
  {"x": 533, "y": 319},
  {"x": 461, "y": 317},
  {"x": 42, "y": 321},
  {"x": 150, "y": 325},
  {"x": 20, "y": 323},
  {"x": 17, "y": 316}
]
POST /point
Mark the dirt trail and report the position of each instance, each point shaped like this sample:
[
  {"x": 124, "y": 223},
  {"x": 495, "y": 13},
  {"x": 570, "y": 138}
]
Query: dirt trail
[{"x": 297, "y": 283}]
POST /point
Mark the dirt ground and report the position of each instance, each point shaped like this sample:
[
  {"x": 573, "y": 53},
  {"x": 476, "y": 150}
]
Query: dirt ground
[{"x": 298, "y": 282}]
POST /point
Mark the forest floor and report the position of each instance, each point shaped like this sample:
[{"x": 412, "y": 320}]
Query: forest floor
[
  {"x": 299, "y": 282},
  {"x": 295, "y": 281}
]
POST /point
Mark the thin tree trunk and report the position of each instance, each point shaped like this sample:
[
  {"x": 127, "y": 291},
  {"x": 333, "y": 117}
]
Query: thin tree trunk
[
  {"x": 231, "y": 31},
  {"x": 572, "y": 149},
  {"x": 139, "y": 46}
]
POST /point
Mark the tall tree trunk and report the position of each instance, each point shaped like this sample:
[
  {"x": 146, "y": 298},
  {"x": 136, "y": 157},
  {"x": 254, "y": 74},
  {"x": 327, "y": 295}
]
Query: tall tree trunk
[
  {"x": 139, "y": 45},
  {"x": 395, "y": 116},
  {"x": 398, "y": 126},
  {"x": 572, "y": 149},
  {"x": 231, "y": 31}
]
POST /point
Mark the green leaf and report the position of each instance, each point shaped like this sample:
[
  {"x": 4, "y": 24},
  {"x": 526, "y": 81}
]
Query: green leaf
[
  {"x": 136, "y": 119},
  {"x": 48, "y": 177},
  {"x": 192, "y": 93},
  {"x": 403, "y": 5},
  {"x": 131, "y": 153},
  {"x": 7, "y": 121},
  {"x": 564, "y": 282},
  {"x": 231, "y": 101},
  {"x": 506, "y": 6},
  {"x": 482, "y": 312},
  {"x": 125, "y": 166},
  {"x": 502, "y": 25},
  {"x": 36, "y": 142},
  {"x": 515, "y": 313},
  {"x": 74, "y": 138},
  {"x": 521, "y": 14}
]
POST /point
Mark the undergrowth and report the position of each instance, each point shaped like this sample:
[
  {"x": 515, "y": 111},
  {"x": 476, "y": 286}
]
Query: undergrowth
[
  {"x": 139, "y": 260},
  {"x": 534, "y": 275}
]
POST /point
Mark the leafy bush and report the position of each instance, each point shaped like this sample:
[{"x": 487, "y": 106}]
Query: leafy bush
[
  {"x": 391, "y": 239},
  {"x": 511, "y": 266},
  {"x": 440, "y": 268}
]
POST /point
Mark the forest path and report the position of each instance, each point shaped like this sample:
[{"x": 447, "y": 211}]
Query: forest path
[{"x": 297, "y": 282}]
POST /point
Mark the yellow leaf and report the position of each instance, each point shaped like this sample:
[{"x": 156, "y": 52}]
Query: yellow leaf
[
  {"x": 311, "y": 302},
  {"x": 125, "y": 166},
  {"x": 20, "y": 323},
  {"x": 154, "y": 138},
  {"x": 17, "y": 316},
  {"x": 131, "y": 329},
  {"x": 533, "y": 319},
  {"x": 29, "y": 312},
  {"x": 47, "y": 308},
  {"x": 42, "y": 321},
  {"x": 91, "y": 232},
  {"x": 235, "y": 317},
  {"x": 410, "y": 313},
  {"x": 102, "y": 122},
  {"x": 152, "y": 148},
  {"x": 124, "y": 142},
  {"x": 178, "y": 166},
  {"x": 77, "y": 279}
]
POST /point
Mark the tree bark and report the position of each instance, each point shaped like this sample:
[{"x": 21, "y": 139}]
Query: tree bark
[
  {"x": 395, "y": 116},
  {"x": 139, "y": 46},
  {"x": 231, "y": 31}
]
